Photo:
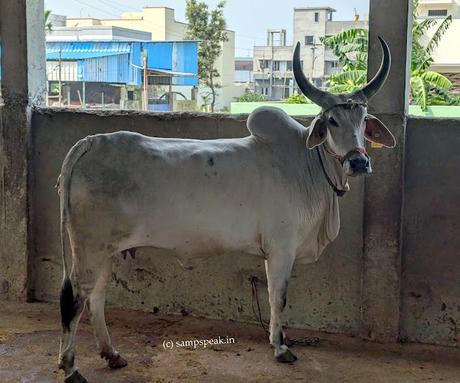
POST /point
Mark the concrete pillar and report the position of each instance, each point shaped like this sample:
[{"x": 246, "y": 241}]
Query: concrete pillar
[
  {"x": 391, "y": 19},
  {"x": 18, "y": 20}
]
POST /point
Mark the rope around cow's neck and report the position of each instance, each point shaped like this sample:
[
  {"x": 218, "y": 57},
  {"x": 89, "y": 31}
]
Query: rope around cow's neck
[
  {"x": 338, "y": 192},
  {"x": 349, "y": 103}
]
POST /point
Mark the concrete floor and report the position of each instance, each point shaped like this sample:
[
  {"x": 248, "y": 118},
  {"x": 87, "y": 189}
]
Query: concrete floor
[{"x": 29, "y": 338}]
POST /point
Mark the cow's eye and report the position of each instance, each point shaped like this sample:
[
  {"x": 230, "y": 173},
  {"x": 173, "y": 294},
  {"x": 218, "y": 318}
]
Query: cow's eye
[{"x": 332, "y": 121}]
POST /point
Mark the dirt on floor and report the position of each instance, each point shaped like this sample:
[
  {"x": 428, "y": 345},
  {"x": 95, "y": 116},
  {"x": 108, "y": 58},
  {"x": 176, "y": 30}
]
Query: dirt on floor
[{"x": 29, "y": 343}]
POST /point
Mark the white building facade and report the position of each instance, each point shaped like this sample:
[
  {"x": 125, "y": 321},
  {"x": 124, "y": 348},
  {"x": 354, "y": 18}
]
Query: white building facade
[
  {"x": 446, "y": 58},
  {"x": 273, "y": 74}
]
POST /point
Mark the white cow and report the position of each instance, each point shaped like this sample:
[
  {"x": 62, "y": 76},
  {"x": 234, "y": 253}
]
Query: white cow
[{"x": 269, "y": 195}]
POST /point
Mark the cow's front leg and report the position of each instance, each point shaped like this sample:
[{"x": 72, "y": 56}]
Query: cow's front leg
[{"x": 278, "y": 268}]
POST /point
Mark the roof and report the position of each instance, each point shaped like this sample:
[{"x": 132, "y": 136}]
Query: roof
[
  {"x": 78, "y": 50},
  {"x": 314, "y": 9}
]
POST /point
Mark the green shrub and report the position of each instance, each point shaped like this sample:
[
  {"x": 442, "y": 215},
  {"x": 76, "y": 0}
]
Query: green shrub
[{"x": 251, "y": 96}]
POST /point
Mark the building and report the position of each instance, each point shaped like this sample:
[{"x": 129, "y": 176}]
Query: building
[
  {"x": 273, "y": 63},
  {"x": 161, "y": 23},
  {"x": 123, "y": 74},
  {"x": 446, "y": 59},
  {"x": 438, "y": 8},
  {"x": 95, "y": 33},
  {"x": 244, "y": 68},
  {"x": 273, "y": 75}
]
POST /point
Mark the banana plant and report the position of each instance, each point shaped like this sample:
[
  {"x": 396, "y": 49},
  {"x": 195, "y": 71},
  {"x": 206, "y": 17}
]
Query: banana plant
[{"x": 48, "y": 23}]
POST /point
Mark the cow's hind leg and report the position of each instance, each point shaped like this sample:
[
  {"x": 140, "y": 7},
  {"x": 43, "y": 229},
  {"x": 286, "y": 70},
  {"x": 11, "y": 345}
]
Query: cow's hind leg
[
  {"x": 72, "y": 300},
  {"x": 96, "y": 308},
  {"x": 278, "y": 270},
  {"x": 87, "y": 266}
]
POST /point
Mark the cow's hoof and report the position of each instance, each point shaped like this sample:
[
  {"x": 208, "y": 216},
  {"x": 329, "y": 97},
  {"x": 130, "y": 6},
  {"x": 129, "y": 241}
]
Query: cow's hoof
[
  {"x": 75, "y": 377},
  {"x": 286, "y": 356},
  {"x": 117, "y": 362}
]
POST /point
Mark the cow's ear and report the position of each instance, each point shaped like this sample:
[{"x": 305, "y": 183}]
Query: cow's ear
[
  {"x": 378, "y": 133},
  {"x": 317, "y": 134}
]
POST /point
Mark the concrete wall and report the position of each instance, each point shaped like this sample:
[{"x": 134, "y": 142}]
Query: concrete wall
[
  {"x": 430, "y": 297},
  {"x": 330, "y": 295},
  {"x": 23, "y": 85},
  {"x": 325, "y": 295},
  {"x": 446, "y": 59}
]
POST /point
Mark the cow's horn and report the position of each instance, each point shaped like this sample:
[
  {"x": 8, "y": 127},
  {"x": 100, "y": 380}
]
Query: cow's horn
[
  {"x": 318, "y": 96},
  {"x": 377, "y": 82}
]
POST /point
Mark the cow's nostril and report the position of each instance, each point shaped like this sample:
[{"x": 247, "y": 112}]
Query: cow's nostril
[{"x": 359, "y": 163}]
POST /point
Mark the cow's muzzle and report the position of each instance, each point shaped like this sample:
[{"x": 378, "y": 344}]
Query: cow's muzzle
[{"x": 359, "y": 162}]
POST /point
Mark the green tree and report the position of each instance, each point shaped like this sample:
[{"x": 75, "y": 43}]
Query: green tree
[
  {"x": 427, "y": 87},
  {"x": 207, "y": 26},
  {"x": 48, "y": 23}
]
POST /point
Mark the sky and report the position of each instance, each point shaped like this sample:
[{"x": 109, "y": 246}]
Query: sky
[{"x": 248, "y": 18}]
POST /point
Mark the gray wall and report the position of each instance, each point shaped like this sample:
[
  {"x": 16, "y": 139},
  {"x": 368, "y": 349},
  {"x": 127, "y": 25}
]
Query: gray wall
[
  {"x": 325, "y": 295},
  {"x": 431, "y": 233}
]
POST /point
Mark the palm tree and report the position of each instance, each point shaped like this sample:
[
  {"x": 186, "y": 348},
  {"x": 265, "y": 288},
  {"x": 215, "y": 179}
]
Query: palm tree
[{"x": 426, "y": 86}]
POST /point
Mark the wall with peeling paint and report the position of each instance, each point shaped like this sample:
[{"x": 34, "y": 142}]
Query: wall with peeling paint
[{"x": 324, "y": 296}]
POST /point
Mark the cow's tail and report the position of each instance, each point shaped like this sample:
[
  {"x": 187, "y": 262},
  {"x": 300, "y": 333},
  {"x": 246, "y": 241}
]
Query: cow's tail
[{"x": 63, "y": 185}]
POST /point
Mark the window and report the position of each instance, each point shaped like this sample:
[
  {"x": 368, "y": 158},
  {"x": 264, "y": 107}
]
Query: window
[
  {"x": 437, "y": 12},
  {"x": 308, "y": 40},
  {"x": 264, "y": 64},
  {"x": 316, "y": 17},
  {"x": 289, "y": 65},
  {"x": 160, "y": 80},
  {"x": 276, "y": 66}
]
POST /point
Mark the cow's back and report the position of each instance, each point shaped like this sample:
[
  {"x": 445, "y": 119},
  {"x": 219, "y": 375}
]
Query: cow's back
[
  {"x": 169, "y": 192},
  {"x": 188, "y": 195}
]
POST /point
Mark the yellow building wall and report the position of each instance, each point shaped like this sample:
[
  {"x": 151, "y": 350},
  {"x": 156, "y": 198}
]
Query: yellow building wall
[{"x": 82, "y": 22}]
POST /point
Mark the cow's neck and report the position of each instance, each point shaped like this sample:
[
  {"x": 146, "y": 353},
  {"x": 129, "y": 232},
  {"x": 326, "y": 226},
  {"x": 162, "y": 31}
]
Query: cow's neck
[
  {"x": 322, "y": 219},
  {"x": 314, "y": 177},
  {"x": 332, "y": 170}
]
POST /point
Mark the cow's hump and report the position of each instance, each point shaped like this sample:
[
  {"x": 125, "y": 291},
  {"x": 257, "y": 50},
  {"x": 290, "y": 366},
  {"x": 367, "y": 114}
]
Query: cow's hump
[{"x": 272, "y": 124}]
